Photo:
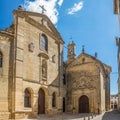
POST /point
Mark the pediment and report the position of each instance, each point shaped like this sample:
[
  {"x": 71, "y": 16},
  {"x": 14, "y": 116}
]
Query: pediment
[
  {"x": 86, "y": 60},
  {"x": 82, "y": 59},
  {"x": 41, "y": 22}
]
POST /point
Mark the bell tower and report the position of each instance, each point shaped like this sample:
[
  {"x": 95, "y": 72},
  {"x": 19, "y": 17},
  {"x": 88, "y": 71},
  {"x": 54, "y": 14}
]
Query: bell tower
[{"x": 71, "y": 52}]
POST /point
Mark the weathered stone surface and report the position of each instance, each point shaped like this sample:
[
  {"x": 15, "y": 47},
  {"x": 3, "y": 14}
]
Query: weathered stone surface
[
  {"x": 28, "y": 67},
  {"x": 22, "y": 65},
  {"x": 87, "y": 76}
]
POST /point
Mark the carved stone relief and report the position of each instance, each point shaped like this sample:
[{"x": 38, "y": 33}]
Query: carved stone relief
[
  {"x": 82, "y": 83},
  {"x": 31, "y": 47}
]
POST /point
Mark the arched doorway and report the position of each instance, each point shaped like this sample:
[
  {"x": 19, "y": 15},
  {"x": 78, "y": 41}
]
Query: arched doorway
[
  {"x": 41, "y": 101},
  {"x": 83, "y": 104}
]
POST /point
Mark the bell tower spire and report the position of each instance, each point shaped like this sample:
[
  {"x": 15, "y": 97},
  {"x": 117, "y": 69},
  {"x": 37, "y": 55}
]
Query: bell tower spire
[{"x": 71, "y": 52}]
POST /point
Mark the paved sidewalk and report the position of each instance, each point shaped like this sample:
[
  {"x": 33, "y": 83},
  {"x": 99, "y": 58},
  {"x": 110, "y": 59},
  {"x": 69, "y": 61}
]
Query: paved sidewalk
[{"x": 111, "y": 115}]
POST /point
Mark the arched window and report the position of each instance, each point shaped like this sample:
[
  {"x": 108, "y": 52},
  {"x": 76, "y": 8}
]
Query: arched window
[
  {"x": 54, "y": 100},
  {"x": 43, "y": 43},
  {"x": 1, "y": 59},
  {"x": 44, "y": 68},
  {"x": 27, "y": 98}
]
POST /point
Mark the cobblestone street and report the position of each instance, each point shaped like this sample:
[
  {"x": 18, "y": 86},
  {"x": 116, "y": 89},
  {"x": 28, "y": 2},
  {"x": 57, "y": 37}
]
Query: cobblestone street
[{"x": 111, "y": 115}]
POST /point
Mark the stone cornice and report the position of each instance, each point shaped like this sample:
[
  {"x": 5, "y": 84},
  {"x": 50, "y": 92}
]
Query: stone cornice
[
  {"x": 5, "y": 33},
  {"x": 43, "y": 55}
]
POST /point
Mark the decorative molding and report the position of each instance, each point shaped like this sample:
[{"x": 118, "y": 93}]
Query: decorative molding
[
  {"x": 31, "y": 47},
  {"x": 43, "y": 55},
  {"x": 20, "y": 48},
  {"x": 32, "y": 81},
  {"x": 56, "y": 35},
  {"x": 19, "y": 60},
  {"x": 8, "y": 34},
  {"x": 41, "y": 27},
  {"x": 82, "y": 83}
]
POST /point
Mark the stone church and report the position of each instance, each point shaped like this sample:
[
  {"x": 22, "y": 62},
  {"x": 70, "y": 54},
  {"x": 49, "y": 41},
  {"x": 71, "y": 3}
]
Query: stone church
[
  {"x": 88, "y": 83},
  {"x": 34, "y": 79}
]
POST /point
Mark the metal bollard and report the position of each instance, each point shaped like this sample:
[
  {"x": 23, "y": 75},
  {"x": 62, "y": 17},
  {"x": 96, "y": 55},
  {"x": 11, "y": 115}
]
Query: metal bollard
[
  {"x": 92, "y": 116},
  {"x": 84, "y": 118},
  {"x": 88, "y": 117}
]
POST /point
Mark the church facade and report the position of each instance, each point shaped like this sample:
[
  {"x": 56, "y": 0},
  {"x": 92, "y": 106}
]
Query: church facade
[
  {"x": 33, "y": 78},
  {"x": 30, "y": 67},
  {"x": 88, "y": 83}
]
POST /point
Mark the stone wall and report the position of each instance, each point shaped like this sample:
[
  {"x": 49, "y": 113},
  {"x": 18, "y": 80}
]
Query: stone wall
[
  {"x": 84, "y": 78},
  {"x": 29, "y": 67},
  {"x": 5, "y": 88}
]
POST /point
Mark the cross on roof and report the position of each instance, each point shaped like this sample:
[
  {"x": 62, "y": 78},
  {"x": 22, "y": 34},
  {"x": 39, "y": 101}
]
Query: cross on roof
[
  {"x": 83, "y": 50},
  {"x": 42, "y": 7}
]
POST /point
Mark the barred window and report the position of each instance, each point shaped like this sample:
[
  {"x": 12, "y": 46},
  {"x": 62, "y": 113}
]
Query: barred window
[
  {"x": 27, "y": 98},
  {"x": 43, "y": 43},
  {"x": 1, "y": 59}
]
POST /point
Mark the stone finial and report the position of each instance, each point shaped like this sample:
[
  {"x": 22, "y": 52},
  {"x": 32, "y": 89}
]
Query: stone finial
[
  {"x": 96, "y": 54},
  {"x": 20, "y": 7}
]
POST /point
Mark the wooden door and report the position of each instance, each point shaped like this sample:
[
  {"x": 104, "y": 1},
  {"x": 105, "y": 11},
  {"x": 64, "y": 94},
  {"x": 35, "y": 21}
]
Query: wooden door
[
  {"x": 83, "y": 104},
  {"x": 63, "y": 104},
  {"x": 41, "y": 102}
]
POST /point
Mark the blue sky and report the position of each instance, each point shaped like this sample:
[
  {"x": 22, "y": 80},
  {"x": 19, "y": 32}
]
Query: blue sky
[{"x": 89, "y": 22}]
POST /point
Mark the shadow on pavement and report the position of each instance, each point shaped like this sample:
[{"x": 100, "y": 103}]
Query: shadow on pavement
[
  {"x": 111, "y": 115},
  {"x": 67, "y": 117}
]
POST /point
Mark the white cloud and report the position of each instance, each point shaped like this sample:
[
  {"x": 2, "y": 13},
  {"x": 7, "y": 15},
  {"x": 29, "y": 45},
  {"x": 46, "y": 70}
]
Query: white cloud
[
  {"x": 60, "y": 2},
  {"x": 77, "y": 7},
  {"x": 49, "y": 5}
]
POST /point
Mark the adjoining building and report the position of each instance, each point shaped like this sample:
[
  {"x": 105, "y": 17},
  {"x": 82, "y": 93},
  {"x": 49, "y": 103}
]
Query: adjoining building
[
  {"x": 88, "y": 83},
  {"x": 33, "y": 78},
  {"x": 117, "y": 11},
  {"x": 114, "y": 101}
]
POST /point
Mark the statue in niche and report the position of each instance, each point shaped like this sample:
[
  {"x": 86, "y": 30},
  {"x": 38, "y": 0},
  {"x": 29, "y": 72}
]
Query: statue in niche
[{"x": 44, "y": 69}]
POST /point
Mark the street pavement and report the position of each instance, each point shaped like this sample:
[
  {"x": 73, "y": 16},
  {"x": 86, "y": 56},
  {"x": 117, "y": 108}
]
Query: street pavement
[{"x": 110, "y": 115}]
